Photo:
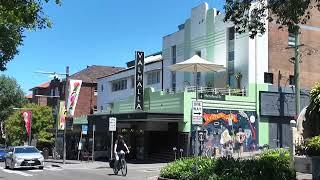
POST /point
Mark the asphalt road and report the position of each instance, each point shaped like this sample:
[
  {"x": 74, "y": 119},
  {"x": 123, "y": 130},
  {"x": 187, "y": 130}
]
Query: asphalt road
[{"x": 135, "y": 172}]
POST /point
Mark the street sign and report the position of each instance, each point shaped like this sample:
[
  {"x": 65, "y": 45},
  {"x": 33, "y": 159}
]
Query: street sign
[
  {"x": 112, "y": 124},
  {"x": 84, "y": 129},
  {"x": 197, "y": 112}
]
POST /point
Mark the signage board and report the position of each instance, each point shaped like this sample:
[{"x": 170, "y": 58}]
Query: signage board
[
  {"x": 112, "y": 124},
  {"x": 212, "y": 96},
  {"x": 84, "y": 129},
  {"x": 281, "y": 104},
  {"x": 139, "y": 70},
  {"x": 197, "y": 112}
]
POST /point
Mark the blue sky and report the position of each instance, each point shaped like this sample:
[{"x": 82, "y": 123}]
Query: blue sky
[{"x": 97, "y": 32}]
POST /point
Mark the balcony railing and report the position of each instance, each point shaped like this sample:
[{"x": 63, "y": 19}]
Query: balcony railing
[
  {"x": 217, "y": 91},
  {"x": 210, "y": 90}
]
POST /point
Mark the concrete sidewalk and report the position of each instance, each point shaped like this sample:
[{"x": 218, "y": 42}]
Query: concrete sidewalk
[{"x": 75, "y": 164}]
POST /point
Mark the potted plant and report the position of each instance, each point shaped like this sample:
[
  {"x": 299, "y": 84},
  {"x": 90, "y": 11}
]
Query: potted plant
[{"x": 312, "y": 149}]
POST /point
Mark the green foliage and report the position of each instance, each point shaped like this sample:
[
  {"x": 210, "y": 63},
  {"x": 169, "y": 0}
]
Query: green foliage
[
  {"x": 312, "y": 146},
  {"x": 285, "y": 13},
  {"x": 272, "y": 164},
  {"x": 185, "y": 169},
  {"x": 11, "y": 96},
  {"x": 313, "y": 112},
  {"x": 42, "y": 121},
  {"x": 16, "y": 16}
]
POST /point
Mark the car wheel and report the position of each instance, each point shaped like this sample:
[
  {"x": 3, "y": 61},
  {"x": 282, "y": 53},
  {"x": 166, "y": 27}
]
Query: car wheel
[{"x": 41, "y": 167}]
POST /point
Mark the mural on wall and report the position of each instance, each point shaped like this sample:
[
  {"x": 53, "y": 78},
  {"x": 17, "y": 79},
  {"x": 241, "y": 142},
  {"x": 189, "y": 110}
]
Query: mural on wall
[{"x": 227, "y": 128}]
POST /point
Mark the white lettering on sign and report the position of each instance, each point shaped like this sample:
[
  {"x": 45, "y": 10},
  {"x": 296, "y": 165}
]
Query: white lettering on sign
[
  {"x": 139, "y": 69},
  {"x": 112, "y": 124},
  {"x": 197, "y": 112}
]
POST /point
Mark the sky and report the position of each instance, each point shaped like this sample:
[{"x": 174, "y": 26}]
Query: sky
[{"x": 97, "y": 32}]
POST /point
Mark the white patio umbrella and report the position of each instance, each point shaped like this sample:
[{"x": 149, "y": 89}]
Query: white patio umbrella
[{"x": 196, "y": 64}]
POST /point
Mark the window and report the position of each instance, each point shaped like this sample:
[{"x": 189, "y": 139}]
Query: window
[
  {"x": 268, "y": 78},
  {"x": 173, "y": 81},
  {"x": 119, "y": 85},
  {"x": 101, "y": 108},
  {"x": 56, "y": 91},
  {"x": 198, "y": 73},
  {"x": 231, "y": 33},
  {"x": 153, "y": 77},
  {"x": 174, "y": 54},
  {"x": 231, "y": 56},
  {"x": 132, "y": 82},
  {"x": 95, "y": 109},
  {"x": 101, "y": 87},
  {"x": 291, "y": 80},
  {"x": 95, "y": 93}
]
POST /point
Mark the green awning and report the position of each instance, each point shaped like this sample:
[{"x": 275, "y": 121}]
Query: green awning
[{"x": 80, "y": 120}]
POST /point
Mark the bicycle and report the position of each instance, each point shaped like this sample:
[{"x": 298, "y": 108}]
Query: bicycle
[{"x": 121, "y": 165}]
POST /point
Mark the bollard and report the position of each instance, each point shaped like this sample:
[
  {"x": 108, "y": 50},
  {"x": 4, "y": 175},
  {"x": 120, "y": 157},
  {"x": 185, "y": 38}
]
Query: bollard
[
  {"x": 181, "y": 153},
  {"x": 292, "y": 144},
  {"x": 175, "y": 152}
]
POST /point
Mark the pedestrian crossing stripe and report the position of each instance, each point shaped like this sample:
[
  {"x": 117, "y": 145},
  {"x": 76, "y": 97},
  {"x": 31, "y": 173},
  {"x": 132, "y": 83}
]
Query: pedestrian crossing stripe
[{"x": 16, "y": 172}]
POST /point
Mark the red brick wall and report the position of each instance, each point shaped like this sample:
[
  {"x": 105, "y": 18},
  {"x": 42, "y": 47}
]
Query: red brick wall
[
  {"x": 86, "y": 100},
  {"x": 279, "y": 56}
]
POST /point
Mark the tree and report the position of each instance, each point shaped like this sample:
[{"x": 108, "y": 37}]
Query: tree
[
  {"x": 42, "y": 122},
  {"x": 286, "y": 13},
  {"x": 313, "y": 111},
  {"x": 11, "y": 96},
  {"x": 16, "y": 16}
]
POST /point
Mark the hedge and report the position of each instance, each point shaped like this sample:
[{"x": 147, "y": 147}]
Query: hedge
[{"x": 273, "y": 164}]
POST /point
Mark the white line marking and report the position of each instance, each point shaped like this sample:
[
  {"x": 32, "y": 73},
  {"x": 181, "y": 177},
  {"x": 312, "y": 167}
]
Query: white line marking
[
  {"x": 35, "y": 170},
  {"x": 16, "y": 172}
]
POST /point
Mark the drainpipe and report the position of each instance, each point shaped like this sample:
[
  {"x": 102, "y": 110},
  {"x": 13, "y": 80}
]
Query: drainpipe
[{"x": 162, "y": 75}]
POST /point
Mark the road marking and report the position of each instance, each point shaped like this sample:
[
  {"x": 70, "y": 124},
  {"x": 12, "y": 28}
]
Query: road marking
[
  {"x": 16, "y": 172},
  {"x": 35, "y": 170},
  {"x": 53, "y": 169}
]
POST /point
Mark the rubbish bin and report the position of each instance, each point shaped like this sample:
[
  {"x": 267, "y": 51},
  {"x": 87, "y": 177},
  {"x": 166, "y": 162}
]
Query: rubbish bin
[{"x": 45, "y": 153}]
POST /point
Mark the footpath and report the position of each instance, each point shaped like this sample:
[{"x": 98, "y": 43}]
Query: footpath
[{"x": 74, "y": 164}]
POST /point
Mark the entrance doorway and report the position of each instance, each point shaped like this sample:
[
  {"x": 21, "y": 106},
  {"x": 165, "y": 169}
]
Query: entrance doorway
[{"x": 279, "y": 133}]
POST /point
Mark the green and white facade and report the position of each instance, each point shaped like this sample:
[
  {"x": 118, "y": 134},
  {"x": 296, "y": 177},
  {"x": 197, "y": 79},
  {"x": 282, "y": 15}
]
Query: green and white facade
[{"x": 168, "y": 97}]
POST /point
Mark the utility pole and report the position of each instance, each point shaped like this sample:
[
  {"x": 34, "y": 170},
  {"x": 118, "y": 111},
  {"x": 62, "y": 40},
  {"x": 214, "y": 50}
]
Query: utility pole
[
  {"x": 297, "y": 68},
  {"x": 67, "y": 115}
]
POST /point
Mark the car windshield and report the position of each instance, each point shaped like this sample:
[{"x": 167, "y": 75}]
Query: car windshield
[
  {"x": 2, "y": 151},
  {"x": 26, "y": 150}
]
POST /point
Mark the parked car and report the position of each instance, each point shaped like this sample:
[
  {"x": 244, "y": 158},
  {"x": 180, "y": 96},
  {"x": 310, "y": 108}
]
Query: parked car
[
  {"x": 2, "y": 154},
  {"x": 24, "y": 157}
]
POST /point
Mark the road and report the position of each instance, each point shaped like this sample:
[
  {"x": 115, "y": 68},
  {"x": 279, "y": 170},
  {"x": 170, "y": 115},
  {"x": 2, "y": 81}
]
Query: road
[{"x": 135, "y": 171}]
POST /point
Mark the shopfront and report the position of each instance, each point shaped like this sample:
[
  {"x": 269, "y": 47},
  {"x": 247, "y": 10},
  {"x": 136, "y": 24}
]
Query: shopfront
[{"x": 146, "y": 134}]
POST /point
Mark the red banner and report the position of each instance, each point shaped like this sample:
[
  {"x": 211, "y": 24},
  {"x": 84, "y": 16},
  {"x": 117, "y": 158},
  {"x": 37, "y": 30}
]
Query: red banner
[{"x": 27, "y": 120}]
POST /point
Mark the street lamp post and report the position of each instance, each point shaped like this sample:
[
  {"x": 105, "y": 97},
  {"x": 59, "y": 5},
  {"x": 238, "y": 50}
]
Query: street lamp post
[
  {"x": 55, "y": 74},
  {"x": 57, "y": 124},
  {"x": 65, "y": 122}
]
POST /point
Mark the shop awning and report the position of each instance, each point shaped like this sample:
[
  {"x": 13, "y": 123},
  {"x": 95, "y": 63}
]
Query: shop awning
[
  {"x": 140, "y": 117},
  {"x": 80, "y": 120}
]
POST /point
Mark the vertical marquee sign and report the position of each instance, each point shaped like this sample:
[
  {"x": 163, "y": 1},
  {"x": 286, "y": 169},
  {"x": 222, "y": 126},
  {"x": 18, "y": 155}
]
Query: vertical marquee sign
[{"x": 139, "y": 69}]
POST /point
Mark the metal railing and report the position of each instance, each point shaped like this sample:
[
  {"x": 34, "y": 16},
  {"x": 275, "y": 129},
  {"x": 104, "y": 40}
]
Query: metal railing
[{"x": 221, "y": 91}]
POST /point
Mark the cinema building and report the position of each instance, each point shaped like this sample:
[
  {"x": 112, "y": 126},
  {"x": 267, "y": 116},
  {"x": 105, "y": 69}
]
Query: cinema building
[{"x": 255, "y": 90}]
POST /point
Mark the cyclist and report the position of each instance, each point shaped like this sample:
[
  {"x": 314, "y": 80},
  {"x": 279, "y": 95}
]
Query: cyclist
[{"x": 119, "y": 148}]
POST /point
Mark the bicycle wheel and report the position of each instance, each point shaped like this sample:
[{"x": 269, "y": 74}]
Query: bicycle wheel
[
  {"x": 115, "y": 168},
  {"x": 124, "y": 169}
]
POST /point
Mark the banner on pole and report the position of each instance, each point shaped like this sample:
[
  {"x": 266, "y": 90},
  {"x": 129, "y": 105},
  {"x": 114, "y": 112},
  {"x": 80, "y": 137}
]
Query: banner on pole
[
  {"x": 74, "y": 90},
  {"x": 61, "y": 118},
  {"x": 27, "y": 120}
]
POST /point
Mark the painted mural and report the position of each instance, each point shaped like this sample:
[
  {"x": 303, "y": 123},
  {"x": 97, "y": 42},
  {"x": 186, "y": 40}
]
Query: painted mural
[{"x": 226, "y": 132}]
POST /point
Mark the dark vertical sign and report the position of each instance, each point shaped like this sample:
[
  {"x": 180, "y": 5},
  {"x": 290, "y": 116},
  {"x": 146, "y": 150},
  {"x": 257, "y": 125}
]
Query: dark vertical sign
[{"x": 139, "y": 67}]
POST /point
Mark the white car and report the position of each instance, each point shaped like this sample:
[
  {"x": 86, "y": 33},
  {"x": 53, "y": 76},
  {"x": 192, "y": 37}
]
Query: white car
[{"x": 24, "y": 157}]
